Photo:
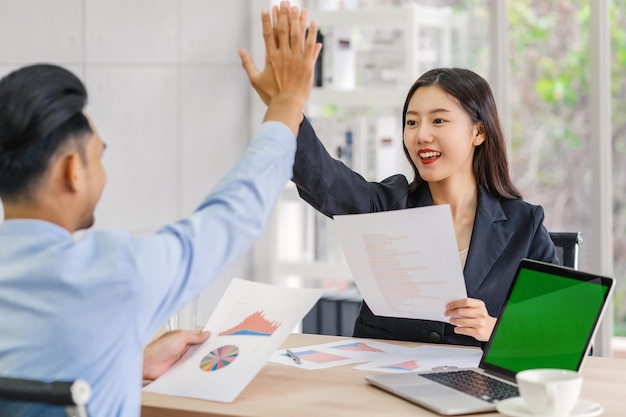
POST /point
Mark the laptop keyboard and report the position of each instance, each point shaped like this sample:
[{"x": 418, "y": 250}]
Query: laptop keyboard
[{"x": 475, "y": 384}]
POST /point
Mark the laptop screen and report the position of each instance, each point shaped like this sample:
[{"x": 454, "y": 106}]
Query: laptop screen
[{"x": 548, "y": 319}]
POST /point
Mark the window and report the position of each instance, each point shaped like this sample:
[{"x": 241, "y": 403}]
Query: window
[
  {"x": 549, "y": 102},
  {"x": 617, "y": 19}
]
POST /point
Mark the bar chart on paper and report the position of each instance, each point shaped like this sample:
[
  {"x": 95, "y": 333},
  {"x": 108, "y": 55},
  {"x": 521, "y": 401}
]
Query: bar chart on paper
[
  {"x": 319, "y": 357},
  {"x": 254, "y": 325},
  {"x": 358, "y": 347},
  {"x": 340, "y": 353},
  {"x": 434, "y": 358},
  {"x": 409, "y": 365}
]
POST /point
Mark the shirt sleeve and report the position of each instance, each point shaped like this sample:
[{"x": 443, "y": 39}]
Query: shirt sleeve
[
  {"x": 176, "y": 263},
  {"x": 332, "y": 188}
]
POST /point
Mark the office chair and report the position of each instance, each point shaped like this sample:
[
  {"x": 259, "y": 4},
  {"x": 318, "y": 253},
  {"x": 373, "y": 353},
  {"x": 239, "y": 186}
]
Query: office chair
[
  {"x": 29, "y": 398},
  {"x": 567, "y": 244}
]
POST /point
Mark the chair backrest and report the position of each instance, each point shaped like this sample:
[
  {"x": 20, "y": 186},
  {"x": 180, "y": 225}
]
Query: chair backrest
[
  {"x": 567, "y": 244},
  {"x": 29, "y": 398}
]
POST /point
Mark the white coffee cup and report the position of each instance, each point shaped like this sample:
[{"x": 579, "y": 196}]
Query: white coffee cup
[{"x": 549, "y": 392}]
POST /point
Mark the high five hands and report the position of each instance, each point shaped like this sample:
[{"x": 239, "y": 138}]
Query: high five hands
[{"x": 290, "y": 54}]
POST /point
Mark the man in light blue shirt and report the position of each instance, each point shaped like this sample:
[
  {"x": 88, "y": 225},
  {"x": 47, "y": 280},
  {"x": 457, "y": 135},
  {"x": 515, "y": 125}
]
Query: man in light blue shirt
[{"x": 85, "y": 308}]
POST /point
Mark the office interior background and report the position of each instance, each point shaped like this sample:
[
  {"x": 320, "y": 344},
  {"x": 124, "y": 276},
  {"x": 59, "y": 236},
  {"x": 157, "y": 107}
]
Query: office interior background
[{"x": 174, "y": 106}]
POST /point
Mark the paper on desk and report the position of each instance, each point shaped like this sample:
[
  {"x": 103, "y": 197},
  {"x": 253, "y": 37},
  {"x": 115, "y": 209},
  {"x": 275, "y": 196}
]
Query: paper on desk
[
  {"x": 425, "y": 358},
  {"x": 405, "y": 262},
  {"x": 343, "y": 352},
  {"x": 249, "y": 323}
]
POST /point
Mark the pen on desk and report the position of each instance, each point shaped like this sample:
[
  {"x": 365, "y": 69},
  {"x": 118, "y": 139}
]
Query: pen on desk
[{"x": 295, "y": 357}]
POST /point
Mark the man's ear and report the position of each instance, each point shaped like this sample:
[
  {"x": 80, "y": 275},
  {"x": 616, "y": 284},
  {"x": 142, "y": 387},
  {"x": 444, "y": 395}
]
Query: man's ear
[{"x": 73, "y": 172}]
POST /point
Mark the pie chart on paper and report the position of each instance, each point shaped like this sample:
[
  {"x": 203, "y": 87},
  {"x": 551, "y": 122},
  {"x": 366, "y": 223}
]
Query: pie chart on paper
[{"x": 219, "y": 358}]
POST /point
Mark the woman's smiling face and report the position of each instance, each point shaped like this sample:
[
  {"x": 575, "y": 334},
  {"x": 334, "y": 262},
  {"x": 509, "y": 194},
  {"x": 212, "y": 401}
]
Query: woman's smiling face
[{"x": 439, "y": 135}]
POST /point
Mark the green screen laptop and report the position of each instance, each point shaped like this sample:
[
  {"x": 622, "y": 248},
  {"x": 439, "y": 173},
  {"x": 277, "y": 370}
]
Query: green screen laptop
[{"x": 549, "y": 318}]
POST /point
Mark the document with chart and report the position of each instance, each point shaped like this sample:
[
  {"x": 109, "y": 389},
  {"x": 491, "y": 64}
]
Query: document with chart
[
  {"x": 249, "y": 323},
  {"x": 405, "y": 262}
]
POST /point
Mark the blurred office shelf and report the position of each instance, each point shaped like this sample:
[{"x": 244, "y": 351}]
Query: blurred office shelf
[
  {"x": 369, "y": 60},
  {"x": 385, "y": 97}
]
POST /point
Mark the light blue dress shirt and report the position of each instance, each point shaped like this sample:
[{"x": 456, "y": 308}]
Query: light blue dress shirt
[{"x": 86, "y": 308}]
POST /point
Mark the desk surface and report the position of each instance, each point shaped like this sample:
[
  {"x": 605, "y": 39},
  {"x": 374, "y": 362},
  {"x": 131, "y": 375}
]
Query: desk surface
[{"x": 280, "y": 390}]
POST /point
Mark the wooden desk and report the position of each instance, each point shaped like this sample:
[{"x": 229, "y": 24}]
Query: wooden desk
[{"x": 280, "y": 390}]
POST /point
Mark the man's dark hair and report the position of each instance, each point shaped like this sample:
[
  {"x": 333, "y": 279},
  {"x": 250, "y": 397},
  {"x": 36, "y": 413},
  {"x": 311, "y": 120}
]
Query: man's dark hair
[{"x": 41, "y": 108}]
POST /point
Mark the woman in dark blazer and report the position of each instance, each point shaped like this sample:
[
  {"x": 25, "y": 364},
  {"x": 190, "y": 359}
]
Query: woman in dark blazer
[{"x": 454, "y": 143}]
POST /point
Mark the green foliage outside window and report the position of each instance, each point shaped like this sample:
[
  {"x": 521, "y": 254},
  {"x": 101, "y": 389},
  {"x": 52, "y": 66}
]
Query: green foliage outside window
[{"x": 552, "y": 135}]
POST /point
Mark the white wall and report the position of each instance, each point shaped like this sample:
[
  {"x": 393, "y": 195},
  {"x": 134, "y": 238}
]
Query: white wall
[{"x": 167, "y": 94}]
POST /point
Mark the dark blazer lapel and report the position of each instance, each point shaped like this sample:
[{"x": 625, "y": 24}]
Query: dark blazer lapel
[
  {"x": 489, "y": 239},
  {"x": 420, "y": 197}
]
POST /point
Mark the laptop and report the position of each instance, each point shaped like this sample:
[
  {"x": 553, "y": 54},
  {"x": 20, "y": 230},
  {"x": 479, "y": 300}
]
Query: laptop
[{"x": 549, "y": 319}]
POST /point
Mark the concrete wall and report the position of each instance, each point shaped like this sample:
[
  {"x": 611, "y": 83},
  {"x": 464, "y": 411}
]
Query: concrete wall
[{"x": 167, "y": 93}]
